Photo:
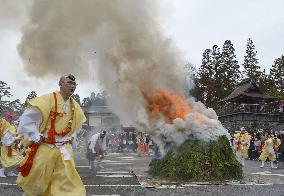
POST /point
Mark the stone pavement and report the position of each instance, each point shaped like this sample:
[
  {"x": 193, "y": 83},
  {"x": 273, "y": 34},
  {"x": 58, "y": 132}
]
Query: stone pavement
[{"x": 125, "y": 174}]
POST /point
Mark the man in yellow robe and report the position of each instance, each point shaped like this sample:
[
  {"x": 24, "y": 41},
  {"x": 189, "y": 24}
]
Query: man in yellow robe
[
  {"x": 10, "y": 155},
  {"x": 49, "y": 125},
  {"x": 242, "y": 142},
  {"x": 268, "y": 150}
]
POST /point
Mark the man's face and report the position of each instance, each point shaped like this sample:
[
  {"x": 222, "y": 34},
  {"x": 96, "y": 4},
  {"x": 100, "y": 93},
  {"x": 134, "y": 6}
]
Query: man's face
[{"x": 67, "y": 86}]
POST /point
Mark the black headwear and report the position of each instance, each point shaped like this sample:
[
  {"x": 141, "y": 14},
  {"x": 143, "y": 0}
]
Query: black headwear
[{"x": 71, "y": 77}]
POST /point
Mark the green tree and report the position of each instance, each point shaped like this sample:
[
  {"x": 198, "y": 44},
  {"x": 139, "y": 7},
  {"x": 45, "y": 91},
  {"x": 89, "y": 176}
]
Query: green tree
[
  {"x": 191, "y": 77},
  {"x": 277, "y": 76},
  {"x": 266, "y": 84},
  {"x": 4, "y": 90},
  {"x": 229, "y": 71},
  {"x": 31, "y": 95},
  {"x": 86, "y": 101},
  {"x": 252, "y": 69},
  {"x": 16, "y": 106},
  {"x": 100, "y": 99},
  {"x": 204, "y": 80},
  {"x": 217, "y": 76},
  {"x": 209, "y": 77},
  {"x": 4, "y": 93}
]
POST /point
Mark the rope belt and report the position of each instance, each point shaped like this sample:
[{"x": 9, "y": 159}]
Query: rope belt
[
  {"x": 58, "y": 144},
  {"x": 26, "y": 167}
]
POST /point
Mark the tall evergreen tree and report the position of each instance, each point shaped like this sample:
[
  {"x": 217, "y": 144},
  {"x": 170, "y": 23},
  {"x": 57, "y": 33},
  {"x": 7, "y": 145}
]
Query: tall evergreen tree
[
  {"x": 16, "y": 106},
  {"x": 87, "y": 102},
  {"x": 267, "y": 85},
  {"x": 229, "y": 71},
  {"x": 277, "y": 75},
  {"x": 252, "y": 69},
  {"x": 217, "y": 84},
  {"x": 216, "y": 61},
  {"x": 191, "y": 77},
  {"x": 31, "y": 95},
  {"x": 264, "y": 82},
  {"x": 4, "y": 90},
  {"x": 205, "y": 80},
  {"x": 213, "y": 73},
  {"x": 4, "y": 93}
]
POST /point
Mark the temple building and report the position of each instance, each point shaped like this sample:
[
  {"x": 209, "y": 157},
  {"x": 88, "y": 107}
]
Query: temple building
[
  {"x": 100, "y": 117},
  {"x": 248, "y": 106}
]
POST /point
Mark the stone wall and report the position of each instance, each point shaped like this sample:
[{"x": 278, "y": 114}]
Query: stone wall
[{"x": 235, "y": 121}]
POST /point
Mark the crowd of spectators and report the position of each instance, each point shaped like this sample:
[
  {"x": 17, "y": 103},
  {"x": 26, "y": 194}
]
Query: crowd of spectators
[
  {"x": 257, "y": 140},
  {"x": 260, "y": 107},
  {"x": 129, "y": 142}
]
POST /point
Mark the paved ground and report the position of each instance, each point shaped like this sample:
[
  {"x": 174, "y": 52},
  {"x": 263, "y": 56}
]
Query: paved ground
[{"x": 124, "y": 174}]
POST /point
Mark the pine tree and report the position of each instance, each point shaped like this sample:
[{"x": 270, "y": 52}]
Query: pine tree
[
  {"x": 217, "y": 74},
  {"x": 31, "y": 95},
  {"x": 211, "y": 76},
  {"x": 263, "y": 82},
  {"x": 229, "y": 71},
  {"x": 86, "y": 102},
  {"x": 252, "y": 69},
  {"x": 16, "y": 106},
  {"x": 269, "y": 87},
  {"x": 4, "y": 93},
  {"x": 205, "y": 80},
  {"x": 277, "y": 75},
  {"x": 191, "y": 79},
  {"x": 4, "y": 90},
  {"x": 266, "y": 84}
]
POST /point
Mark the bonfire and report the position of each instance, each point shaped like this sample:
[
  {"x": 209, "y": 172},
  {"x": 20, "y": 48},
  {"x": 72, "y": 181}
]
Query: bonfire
[{"x": 194, "y": 158}]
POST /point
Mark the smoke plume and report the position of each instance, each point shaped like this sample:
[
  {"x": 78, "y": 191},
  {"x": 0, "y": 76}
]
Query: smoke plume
[
  {"x": 122, "y": 42},
  {"x": 12, "y": 13}
]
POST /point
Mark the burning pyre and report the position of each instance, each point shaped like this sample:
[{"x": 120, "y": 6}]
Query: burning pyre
[{"x": 189, "y": 155}]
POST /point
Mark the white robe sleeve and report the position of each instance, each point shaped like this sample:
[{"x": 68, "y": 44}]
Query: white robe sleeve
[
  {"x": 8, "y": 139},
  {"x": 29, "y": 123}
]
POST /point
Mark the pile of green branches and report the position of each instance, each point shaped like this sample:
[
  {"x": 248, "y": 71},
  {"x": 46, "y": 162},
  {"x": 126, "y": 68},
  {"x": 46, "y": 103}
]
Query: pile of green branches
[{"x": 197, "y": 160}]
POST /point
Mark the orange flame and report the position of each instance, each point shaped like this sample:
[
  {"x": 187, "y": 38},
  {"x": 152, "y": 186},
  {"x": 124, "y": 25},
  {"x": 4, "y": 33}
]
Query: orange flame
[{"x": 167, "y": 104}]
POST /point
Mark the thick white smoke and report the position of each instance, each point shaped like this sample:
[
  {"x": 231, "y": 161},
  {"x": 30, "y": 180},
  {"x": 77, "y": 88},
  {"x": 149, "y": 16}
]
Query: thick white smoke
[
  {"x": 175, "y": 134},
  {"x": 12, "y": 13},
  {"x": 120, "y": 40}
]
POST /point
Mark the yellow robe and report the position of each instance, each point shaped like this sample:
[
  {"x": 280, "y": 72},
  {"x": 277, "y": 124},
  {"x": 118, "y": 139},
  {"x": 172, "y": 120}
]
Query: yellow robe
[
  {"x": 50, "y": 173},
  {"x": 16, "y": 158},
  {"x": 242, "y": 149},
  {"x": 268, "y": 149}
]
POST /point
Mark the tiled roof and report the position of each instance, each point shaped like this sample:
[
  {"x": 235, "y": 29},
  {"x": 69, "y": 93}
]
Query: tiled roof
[
  {"x": 98, "y": 109},
  {"x": 247, "y": 89}
]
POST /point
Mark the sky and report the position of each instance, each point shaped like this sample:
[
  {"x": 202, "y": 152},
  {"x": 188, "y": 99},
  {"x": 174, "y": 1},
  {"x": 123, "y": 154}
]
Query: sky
[{"x": 193, "y": 25}]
